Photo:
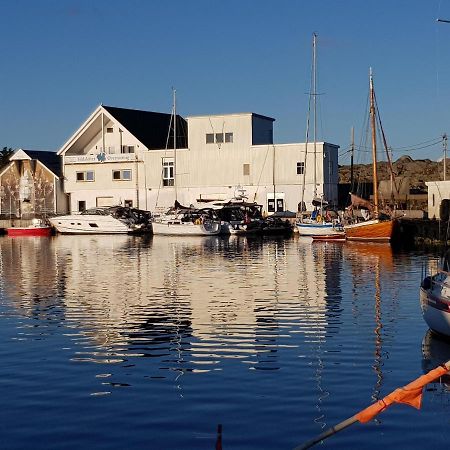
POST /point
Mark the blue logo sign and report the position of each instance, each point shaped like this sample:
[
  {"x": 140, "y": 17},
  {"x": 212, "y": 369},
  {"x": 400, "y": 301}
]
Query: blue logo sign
[{"x": 101, "y": 157}]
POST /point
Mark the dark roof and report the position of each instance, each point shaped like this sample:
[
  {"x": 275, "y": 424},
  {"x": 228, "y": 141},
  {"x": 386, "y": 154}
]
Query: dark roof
[
  {"x": 151, "y": 128},
  {"x": 50, "y": 160}
]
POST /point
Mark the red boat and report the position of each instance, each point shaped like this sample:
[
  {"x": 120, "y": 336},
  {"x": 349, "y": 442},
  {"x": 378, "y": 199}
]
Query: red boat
[{"x": 37, "y": 228}]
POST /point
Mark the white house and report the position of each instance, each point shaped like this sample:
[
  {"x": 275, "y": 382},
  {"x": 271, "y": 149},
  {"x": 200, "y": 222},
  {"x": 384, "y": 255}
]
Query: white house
[
  {"x": 31, "y": 185},
  {"x": 125, "y": 156}
]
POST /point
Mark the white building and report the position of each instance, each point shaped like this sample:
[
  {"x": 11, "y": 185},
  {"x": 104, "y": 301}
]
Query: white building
[
  {"x": 124, "y": 156},
  {"x": 438, "y": 199}
]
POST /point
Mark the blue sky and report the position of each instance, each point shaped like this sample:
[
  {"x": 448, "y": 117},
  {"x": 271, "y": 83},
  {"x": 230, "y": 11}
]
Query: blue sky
[{"x": 61, "y": 58}]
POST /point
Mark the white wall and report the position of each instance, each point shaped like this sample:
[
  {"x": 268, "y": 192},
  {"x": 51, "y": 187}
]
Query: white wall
[{"x": 437, "y": 191}]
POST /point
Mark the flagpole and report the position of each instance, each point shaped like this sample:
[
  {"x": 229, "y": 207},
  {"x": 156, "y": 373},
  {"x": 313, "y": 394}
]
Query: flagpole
[{"x": 407, "y": 394}]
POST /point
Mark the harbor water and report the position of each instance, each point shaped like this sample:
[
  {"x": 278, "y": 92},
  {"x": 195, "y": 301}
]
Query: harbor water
[{"x": 123, "y": 342}]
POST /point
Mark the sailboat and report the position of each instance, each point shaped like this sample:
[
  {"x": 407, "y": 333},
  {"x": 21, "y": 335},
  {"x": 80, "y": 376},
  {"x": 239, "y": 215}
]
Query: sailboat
[
  {"x": 375, "y": 227},
  {"x": 320, "y": 225},
  {"x": 181, "y": 220}
]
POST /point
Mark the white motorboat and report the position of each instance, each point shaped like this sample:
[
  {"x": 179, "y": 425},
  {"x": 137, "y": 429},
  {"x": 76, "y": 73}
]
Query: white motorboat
[
  {"x": 106, "y": 220},
  {"x": 186, "y": 222},
  {"x": 435, "y": 300}
]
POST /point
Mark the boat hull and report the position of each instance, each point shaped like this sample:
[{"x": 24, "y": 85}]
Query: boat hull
[
  {"x": 318, "y": 229},
  {"x": 172, "y": 228},
  {"x": 29, "y": 231},
  {"x": 89, "y": 224},
  {"x": 372, "y": 230},
  {"x": 338, "y": 237},
  {"x": 435, "y": 311}
]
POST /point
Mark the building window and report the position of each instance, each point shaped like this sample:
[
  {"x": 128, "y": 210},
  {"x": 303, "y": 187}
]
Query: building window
[
  {"x": 81, "y": 205},
  {"x": 271, "y": 205},
  {"x": 109, "y": 130},
  {"x": 168, "y": 172},
  {"x": 300, "y": 168},
  {"x": 127, "y": 149},
  {"x": 219, "y": 138},
  {"x": 210, "y": 138},
  {"x": 128, "y": 203},
  {"x": 246, "y": 169},
  {"x": 122, "y": 175},
  {"x": 88, "y": 175},
  {"x": 433, "y": 200},
  {"x": 228, "y": 137}
]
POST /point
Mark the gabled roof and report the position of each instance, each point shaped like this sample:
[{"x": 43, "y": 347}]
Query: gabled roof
[
  {"x": 49, "y": 159},
  {"x": 151, "y": 128}
]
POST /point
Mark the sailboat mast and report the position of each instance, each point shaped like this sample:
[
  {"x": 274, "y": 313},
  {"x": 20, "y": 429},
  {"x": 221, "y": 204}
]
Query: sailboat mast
[
  {"x": 374, "y": 144},
  {"x": 314, "y": 94},
  {"x": 175, "y": 142}
]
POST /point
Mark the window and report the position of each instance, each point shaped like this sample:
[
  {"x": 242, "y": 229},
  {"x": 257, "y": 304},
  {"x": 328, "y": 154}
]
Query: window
[
  {"x": 88, "y": 175},
  {"x": 300, "y": 168},
  {"x": 219, "y": 138},
  {"x": 210, "y": 138},
  {"x": 246, "y": 169},
  {"x": 81, "y": 206},
  {"x": 433, "y": 200},
  {"x": 122, "y": 175},
  {"x": 127, "y": 149},
  {"x": 168, "y": 172},
  {"x": 109, "y": 130},
  {"x": 228, "y": 137},
  {"x": 271, "y": 203}
]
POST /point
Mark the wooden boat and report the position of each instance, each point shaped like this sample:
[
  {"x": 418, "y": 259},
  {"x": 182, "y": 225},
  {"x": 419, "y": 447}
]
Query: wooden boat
[
  {"x": 435, "y": 300},
  {"x": 377, "y": 227},
  {"x": 372, "y": 230},
  {"x": 37, "y": 228}
]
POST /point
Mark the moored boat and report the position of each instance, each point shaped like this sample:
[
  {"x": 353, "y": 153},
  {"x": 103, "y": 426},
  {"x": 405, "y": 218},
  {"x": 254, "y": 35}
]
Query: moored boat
[
  {"x": 38, "y": 227},
  {"x": 377, "y": 227},
  {"x": 375, "y": 230},
  {"x": 183, "y": 221},
  {"x": 435, "y": 301},
  {"x": 104, "y": 220}
]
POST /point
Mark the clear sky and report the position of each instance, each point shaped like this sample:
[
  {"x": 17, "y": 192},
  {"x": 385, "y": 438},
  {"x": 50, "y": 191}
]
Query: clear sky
[{"x": 61, "y": 58}]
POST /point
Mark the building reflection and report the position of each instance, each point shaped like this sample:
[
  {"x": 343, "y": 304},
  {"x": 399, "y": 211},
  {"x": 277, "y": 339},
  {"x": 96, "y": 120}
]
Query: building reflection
[{"x": 187, "y": 303}]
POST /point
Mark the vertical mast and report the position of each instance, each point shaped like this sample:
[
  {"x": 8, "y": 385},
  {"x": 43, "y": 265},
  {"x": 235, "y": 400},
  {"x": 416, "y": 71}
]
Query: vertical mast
[
  {"x": 175, "y": 142},
  {"x": 307, "y": 136},
  {"x": 351, "y": 158},
  {"x": 374, "y": 144},
  {"x": 314, "y": 94}
]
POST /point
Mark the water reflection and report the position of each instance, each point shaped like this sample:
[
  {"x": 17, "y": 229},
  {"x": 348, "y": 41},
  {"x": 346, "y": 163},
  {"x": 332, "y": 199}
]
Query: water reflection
[
  {"x": 368, "y": 262},
  {"x": 188, "y": 305}
]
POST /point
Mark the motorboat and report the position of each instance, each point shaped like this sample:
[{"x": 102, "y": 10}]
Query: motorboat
[
  {"x": 186, "y": 221},
  {"x": 237, "y": 218},
  {"x": 38, "y": 227},
  {"x": 104, "y": 220},
  {"x": 435, "y": 299}
]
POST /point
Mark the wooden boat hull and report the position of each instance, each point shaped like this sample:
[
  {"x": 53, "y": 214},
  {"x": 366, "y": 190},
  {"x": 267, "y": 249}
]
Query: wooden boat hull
[
  {"x": 372, "y": 230},
  {"x": 29, "y": 231}
]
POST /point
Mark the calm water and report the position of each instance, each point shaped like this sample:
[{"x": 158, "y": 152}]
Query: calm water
[{"x": 122, "y": 342}]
